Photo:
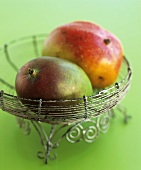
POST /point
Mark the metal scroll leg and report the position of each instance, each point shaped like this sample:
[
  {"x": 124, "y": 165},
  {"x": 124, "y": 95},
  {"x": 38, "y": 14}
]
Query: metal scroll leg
[
  {"x": 24, "y": 124},
  {"x": 87, "y": 130},
  {"x": 123, "y": 110},
  {"x": 46, "y": 141}
]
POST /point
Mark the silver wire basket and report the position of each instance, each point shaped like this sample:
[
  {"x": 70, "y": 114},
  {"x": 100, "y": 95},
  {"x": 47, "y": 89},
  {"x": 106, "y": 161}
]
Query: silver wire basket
[{"x": 92, "y": 109}]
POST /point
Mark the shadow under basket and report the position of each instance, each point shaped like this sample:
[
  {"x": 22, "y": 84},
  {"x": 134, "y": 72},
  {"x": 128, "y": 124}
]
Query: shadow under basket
[{"x": 85, "y": 120}]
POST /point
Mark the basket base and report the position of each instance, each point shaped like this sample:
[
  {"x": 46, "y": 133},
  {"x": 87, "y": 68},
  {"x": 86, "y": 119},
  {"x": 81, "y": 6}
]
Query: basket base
[{"x": 87, "y": 130}]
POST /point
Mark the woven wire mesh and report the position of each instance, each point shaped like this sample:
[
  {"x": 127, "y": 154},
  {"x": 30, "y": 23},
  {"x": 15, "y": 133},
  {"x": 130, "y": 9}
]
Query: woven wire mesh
[{"x": 16, "y": 53}]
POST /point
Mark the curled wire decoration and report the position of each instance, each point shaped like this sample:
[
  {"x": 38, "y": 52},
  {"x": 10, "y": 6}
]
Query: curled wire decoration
[
  {"x": 103, "y": 122},
  {"x": 89, "y": 129},
  {"x": 16, "y": 53},
  {"x": 90, "y": 134},
  {"x": 75, "y": 134}
]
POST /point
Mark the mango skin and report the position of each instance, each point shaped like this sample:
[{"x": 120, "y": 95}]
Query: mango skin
[
  {"x": 97, "y": 51},
  {"x": 52, "y": 79}
]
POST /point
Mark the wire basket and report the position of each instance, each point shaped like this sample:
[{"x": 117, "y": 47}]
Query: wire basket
[
  {"x": 16, "y": 53},
  {"x": 84, "y": 119}
]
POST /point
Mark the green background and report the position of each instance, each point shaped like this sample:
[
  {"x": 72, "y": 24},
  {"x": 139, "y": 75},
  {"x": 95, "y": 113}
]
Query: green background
[{"x": 120, "y": 147}]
